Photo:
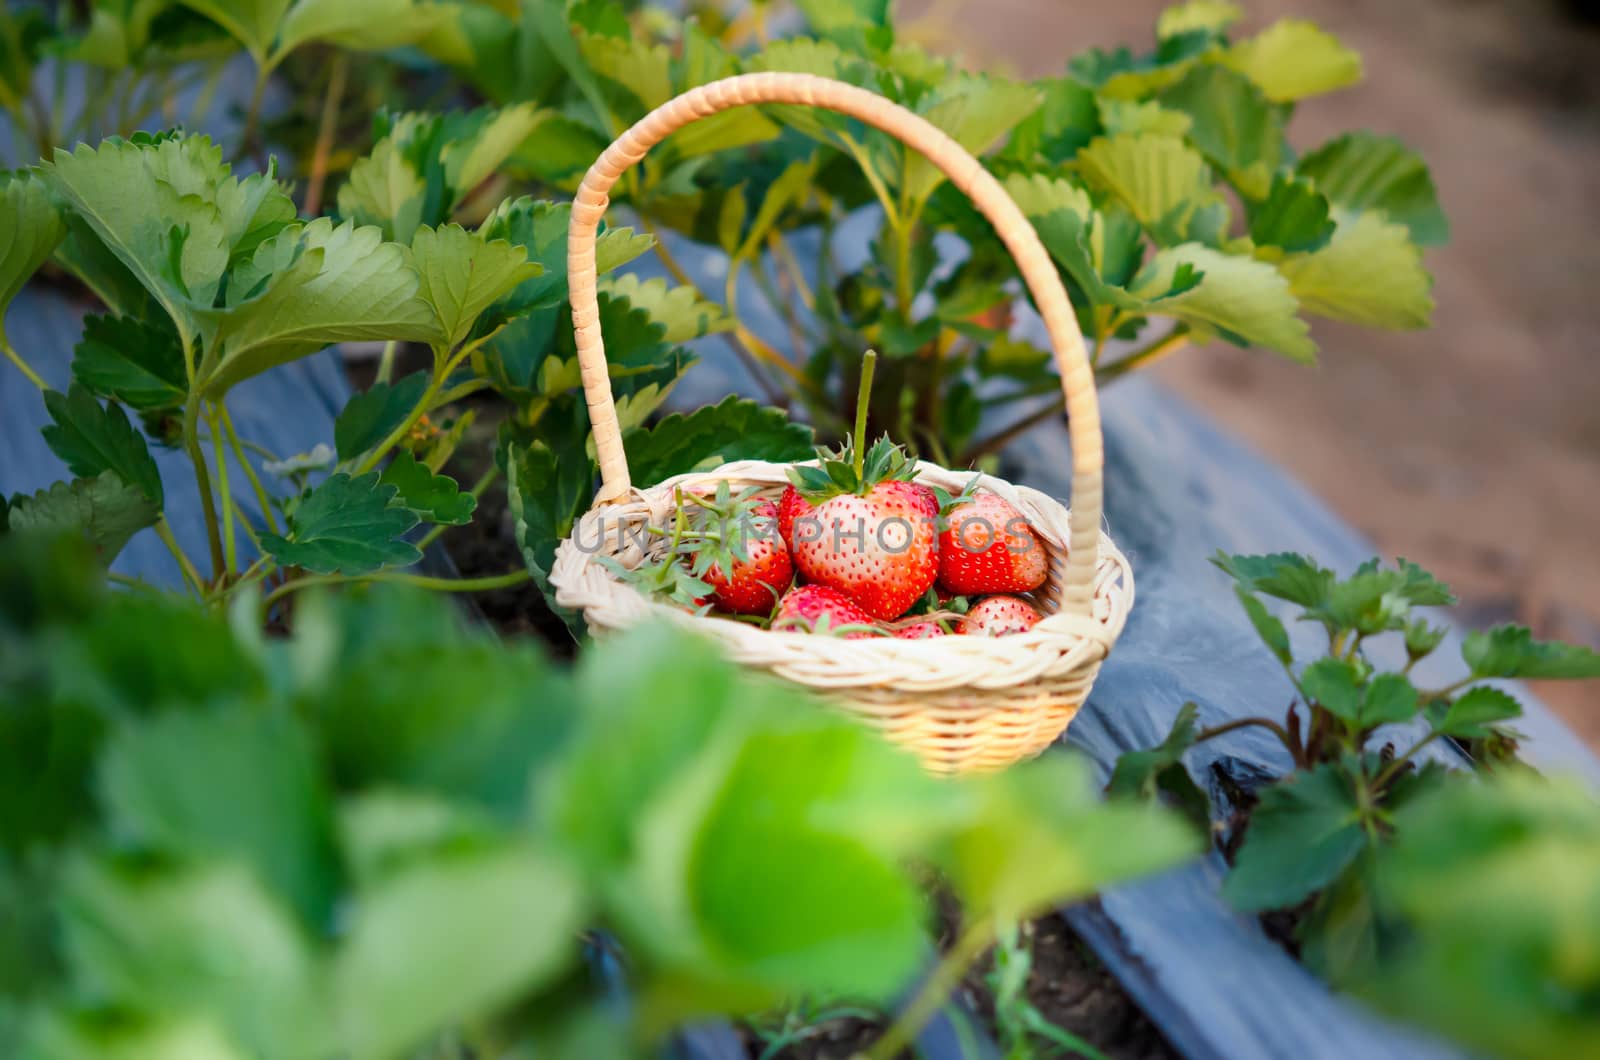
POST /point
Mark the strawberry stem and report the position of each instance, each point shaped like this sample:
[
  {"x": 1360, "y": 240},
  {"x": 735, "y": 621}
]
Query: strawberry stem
[{"x": 869, "y": 364}]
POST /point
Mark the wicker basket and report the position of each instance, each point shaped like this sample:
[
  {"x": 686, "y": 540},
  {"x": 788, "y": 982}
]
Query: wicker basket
[{"x": 962, "y": 703}]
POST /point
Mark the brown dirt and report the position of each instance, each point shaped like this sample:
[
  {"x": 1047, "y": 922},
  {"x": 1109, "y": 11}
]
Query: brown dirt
[{"x": 1473, "y": 448}]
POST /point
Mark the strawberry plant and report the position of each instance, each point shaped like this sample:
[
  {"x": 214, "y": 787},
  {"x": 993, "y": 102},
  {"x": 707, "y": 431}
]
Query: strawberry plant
[
  {"x": 387, "y": 835},
  {"x": 1346, "y": 840}
]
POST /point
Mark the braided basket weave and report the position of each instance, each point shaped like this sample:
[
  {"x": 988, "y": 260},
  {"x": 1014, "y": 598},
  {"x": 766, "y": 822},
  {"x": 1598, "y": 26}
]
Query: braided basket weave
[{"x": 962, "y": 703}]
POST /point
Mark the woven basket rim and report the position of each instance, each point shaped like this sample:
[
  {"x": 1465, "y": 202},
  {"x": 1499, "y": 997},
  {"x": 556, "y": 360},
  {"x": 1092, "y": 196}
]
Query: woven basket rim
[{"x": 1060, "y": 643}]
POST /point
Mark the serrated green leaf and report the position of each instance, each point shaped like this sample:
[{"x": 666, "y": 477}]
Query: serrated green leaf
[
  {"x": 1363, "y": 172},
  {"x": 1246, "y": 300},
  {"x": 540, "y": 226},
  {"x": 322, "y": 285},
  {"x": 462, "y": 274},
  {"x": 1292, "y": 59},
  {"x": 1303, "y": 833},
  {"x": 1390, "y": 698},
  {"x": 1145, "y": 775},
  {"x": 477, "y": 143},
  {"x": 678, "y": 309},
  {"x": 104, "y": 510},
  {"x": 1268, "y": 626},
  {"x": 436, "y": 498},
  {"x": 977, "y": 112},
  {"x": 206, "y": 939},
  {"x": 451, "y": 938},
  {"x": 1369, "y": 601},
  {"x": 369, "y": 417},
  {"x": 91, "y": 438},
  {"x": 384, "y": 189},
  {"x": 1071, "y": 230},
  {"x": 1471, "y": 714},
  {"x": 735, "y": 429},
  {"x": 639, "y": 67},
  {"x": 1232, "y": 123},
  {"x": 1067, "y": 119},
  {"x": 1126, "y": 116},
  {"x": 1285, "y": 575},
  {"x": 253, "y": 23},
  {"x": 1511, "y": 651},
  {"x": 1213, "y": 16},
  {"x": 1154, "y": 176},
  {"x": 1369, "y": 273},
  {"x": 132, "y": 361},
  {"x": 1421, "y": 588},
  {"x": 30, "y": 229},
  {"x": 237, "y": 784},
  {"x": 1294, "y": 217},
  {"x": 1334, "y": 685},
  {"x": 546, "y": 493},
  {"x": 346, "y": 525}
]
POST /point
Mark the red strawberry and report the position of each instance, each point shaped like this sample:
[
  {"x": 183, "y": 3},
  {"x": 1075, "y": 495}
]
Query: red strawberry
[
  {"x": 790, "y": 505},
  {"x": 920, "y": 631},
  {"x": 753, "y": 582},
  {"x": 998, "y": 616},
  {"x": 819, "y": 609},
  {"x": 988, "y": 547},
  {"x": 878, "y": 546}
]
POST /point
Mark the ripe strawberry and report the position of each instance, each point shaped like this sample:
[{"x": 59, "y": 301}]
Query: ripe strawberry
[
  {"x": 790, "y": 505},
  {"x": 872, "y": 533},
  {"x": 988, "y": 547},
  {"x": 748, "y": 574},
  {"x": 921, "y": 631},
  {"x": 819, "y": 609},
  {"x": 998, "y": 616}
]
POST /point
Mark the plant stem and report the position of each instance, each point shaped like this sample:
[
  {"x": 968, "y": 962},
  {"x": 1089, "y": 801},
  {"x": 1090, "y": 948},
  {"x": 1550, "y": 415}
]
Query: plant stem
[
  {"x": 262, "y": 497},
  {"x": 185, "y": 567},
  {"x": 1394, "y": 767},
  {"x": 325, "y": 130},
  {"x": 935, "y": 989},
  {"x": 869, "y": 366},
  {"x": 252, "y": 115},
  {"x": 1006, "y": 435},
  {"x": 421, "y": 581},
  {"x": 202, "y": 477},
  {"x": 229, "y": 545},
  {"x": 27, "y": 370},
  {"x": 386, "y": 362},
  {"x": 410, "y": 421},
  {"x": 1174, "y": 340},
  {"x": 1447, "y": 691},
  {"x": 1243, "y": 723}
]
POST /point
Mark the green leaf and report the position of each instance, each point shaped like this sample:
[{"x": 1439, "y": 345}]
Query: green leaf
[
  {"x": 546, "y": 495},
  {"x": 678, "y": 309},
  {"x": 451, "y": 939},
  {"x": 1511, "y": 651},
  {"x": 208, "y": 940},
  {"x": 1361, "y": 171},
  {"x": 1153, "y": 176},
  {"x": 253, "y": 23},
  {"x": 1303, "y": 833},
  {"x": 1294, "y": 217},
  {"x": 91, "y": 438},
  {"x": 30, "y": 229},
  {"x": 104, "y": 510},
  {"x": 1370, "y": 273},
  {"x": 361, "y": 25},
  {"x": 1143, "y": 775},
  {"x": 435, "y": 498},
  {"x": 1334, "y": 685},
  {"x": 321, "y": 285},
  {"x": 237, "y": 784},
  {"x": 346, "y": 525},
  {"x": 735, "y": 429},
  {"x": 371, "y": 416},
  {"x": 1268, "y": 626},
  {"x": 1068, "y": 119},
  {"x": 541, "y": 227},
  {"x": 88, "y": 1035},
  {"x": 1369, "y": 601},
  {"x": 1120, "y": 116},
  {"x": 1285, "y": 575},
  {"x": 1232, "y": 124},
  {"x": 1247, "y": 301},
  {"x": 135, "y": 362},
  {"x": 1072, "y": 231},
  {"x": 1471, "y": 714},
  {"x": 1212, "y": 16},
  {"x": 1390, "y": 698},
  {"x": 1041, "y": 838},
  {"x": 385, "y": 190},
  {"x": 463, "y": 274},
  {"x": 641, "y": 69},
  {"x": 1293, "y": 59},
  {"x": 976, "y": 111},
  {"x": 1421, "y": 587}
]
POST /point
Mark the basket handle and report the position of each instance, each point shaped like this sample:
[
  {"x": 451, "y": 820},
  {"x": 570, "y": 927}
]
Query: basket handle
[{"x": 963, "y": 170}]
